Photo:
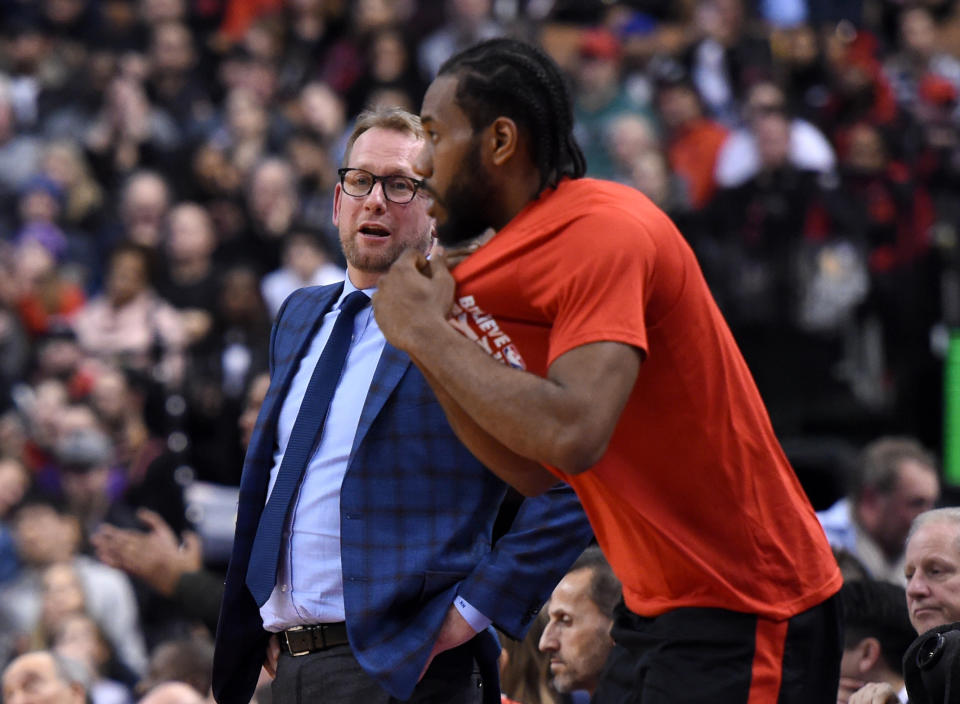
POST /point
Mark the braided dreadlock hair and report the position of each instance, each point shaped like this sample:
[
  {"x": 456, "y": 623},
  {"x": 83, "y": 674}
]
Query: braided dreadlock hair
[{"x": 518, "y": 80}]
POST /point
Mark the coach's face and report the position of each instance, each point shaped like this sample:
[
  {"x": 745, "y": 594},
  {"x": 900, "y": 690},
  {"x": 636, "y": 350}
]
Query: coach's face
[
  {"x": 374, "y": 230},
  {"x": 933, "y": 575},
  {"x": 452, "y": 165}
]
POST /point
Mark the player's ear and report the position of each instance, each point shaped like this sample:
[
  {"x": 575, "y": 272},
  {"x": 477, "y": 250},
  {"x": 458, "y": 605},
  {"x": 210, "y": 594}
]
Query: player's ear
[{"x": 503, "y": 140}]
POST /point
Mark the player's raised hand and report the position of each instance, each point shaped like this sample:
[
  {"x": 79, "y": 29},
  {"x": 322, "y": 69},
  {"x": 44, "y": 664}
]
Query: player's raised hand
[{"x": 413, "y": 297}]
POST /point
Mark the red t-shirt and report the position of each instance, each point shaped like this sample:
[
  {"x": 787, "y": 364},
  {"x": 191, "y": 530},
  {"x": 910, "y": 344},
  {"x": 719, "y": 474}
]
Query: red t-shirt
[{"x": 694, "y": 502}]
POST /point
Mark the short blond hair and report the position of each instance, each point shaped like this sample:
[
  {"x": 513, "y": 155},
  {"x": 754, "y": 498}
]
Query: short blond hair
[{"x": 390, "y": 118}]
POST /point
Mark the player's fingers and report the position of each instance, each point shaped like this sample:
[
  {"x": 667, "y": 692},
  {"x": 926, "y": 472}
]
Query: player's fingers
[{"x": 440, "y": 259}]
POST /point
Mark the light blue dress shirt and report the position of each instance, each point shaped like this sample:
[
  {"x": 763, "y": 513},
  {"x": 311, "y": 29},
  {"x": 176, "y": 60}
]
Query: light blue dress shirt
[{"x": 309, "y": 586}]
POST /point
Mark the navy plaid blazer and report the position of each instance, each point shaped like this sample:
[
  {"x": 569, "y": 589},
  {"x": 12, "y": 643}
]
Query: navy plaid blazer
[{"x": 417, "y": 514}]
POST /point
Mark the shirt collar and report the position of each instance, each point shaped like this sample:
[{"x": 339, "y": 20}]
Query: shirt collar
[{"x": 349, "y": 288}]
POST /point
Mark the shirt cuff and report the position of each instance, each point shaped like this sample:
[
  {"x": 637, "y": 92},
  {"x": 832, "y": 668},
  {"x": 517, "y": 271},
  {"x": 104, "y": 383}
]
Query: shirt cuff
[{"x": 477, "y": 620}]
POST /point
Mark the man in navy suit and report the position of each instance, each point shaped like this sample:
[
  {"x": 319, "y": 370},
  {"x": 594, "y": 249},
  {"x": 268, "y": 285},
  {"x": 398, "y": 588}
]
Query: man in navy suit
[{"x": 388, "y": 574}]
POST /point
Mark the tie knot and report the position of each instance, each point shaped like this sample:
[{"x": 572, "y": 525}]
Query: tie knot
[{"x": 353, "y": 303}]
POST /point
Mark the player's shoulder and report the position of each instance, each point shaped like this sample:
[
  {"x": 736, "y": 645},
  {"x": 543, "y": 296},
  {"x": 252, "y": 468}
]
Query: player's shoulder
[{"x": 599, "y": 197}]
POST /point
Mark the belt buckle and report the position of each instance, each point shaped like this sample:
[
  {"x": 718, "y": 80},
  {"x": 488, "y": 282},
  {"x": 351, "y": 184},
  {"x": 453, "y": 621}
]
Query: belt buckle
[{"x": 290, "y": 648}]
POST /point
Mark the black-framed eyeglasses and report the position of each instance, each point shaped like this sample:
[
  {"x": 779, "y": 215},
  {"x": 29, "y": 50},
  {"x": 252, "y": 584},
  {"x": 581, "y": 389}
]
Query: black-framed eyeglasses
[{"x": 396, "y": 188}]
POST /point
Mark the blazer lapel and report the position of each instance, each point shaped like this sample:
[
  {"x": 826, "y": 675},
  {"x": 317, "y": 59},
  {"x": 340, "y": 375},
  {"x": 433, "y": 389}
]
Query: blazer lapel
[
  {"x": 393, "y": 363},
  {"x": 298, "y": 325}
]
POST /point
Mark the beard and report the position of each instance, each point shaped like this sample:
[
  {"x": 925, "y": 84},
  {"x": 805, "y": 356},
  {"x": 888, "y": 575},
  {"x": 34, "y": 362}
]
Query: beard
[
  {"x": 467, "y": 201},
  {"x": 379, "y": 261}
]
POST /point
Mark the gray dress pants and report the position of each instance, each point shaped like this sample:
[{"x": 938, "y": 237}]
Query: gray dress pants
[{"x": 334, "y": 676}]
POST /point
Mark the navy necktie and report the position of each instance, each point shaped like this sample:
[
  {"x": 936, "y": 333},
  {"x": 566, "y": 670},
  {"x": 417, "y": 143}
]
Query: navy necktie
[{"x": 262, "y": 567}]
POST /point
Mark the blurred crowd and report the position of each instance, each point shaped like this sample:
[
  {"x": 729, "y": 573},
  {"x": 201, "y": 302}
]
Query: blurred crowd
[{"x": 166, "y": 180}]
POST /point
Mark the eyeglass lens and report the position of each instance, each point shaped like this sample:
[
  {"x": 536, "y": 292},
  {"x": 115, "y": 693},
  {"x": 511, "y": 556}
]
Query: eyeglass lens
[{"x": 398, "y": 189}]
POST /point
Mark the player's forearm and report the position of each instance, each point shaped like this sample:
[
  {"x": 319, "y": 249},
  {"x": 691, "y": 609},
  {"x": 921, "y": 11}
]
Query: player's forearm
[
  {"x": 523, "y": 474},
  {"x": 531, "y": 416},
  {"x": 564, "y": 421}
]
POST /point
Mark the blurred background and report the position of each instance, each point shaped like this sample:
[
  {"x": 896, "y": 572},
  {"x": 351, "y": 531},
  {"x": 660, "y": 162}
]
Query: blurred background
[{"x": 166, "y": 179}]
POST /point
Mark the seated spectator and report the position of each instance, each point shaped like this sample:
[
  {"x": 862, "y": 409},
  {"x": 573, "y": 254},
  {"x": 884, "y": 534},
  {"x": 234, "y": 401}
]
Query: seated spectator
[
  {"x": 40, "y": 407},
  {"x": 919, "y": 57},
  {"x": 740, "y": 156},
  {"x": 61, "y": 595},
  {"x": 630, "y": 137},
  {"x": 467, "y": 22},
  {"x": 83, "y": 197},
  {"x": 40, "y": 204},
  {"x": 524, "y": 668},
  {"x": 130, "y": 132},
  {"x": 932, "y": 569},
  {"x": 144, "y": 201},
  {"x": 652, "y": 176},
  {"x": 728, "y": 54},
  {"x": 89, "y": 479},
  {"x": 58, "y": 357},
  {"x": 174, "y": 81},
  {"x": 879, "y": 203},
  {"x": 129, "y": 324},
  {"x": 314, "y": 160},
  {"x": 305, "y": 263},
  {"x": 895, "y": 480},
  {"x": 45, "y": 676},
  {"x": 877, "y": 634},
  {"x": 189, "y": 279},
  {"x": 222, "y": 366},
  {"x": 80, "y": 637},
  {"x": 122, "y": 400},
  {"x": 187, "y": 660},
  {"x": 857, "y": 89},
  {"x": 132, "y": 411},
  {"x": 933, "y": 590},
  {"x": 272, "y": 205},
  {"x": 45, "y": 534},
  {"x": 577, "y": 636},
  {"x": 44, "y": 296},
  {"x": 600, "y": 96},
  {"x": 693, "y": 141},
  {"x": 390, "y": 68}
]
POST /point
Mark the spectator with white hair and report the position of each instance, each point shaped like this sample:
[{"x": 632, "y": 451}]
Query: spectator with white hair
[{"x": 933, "y": 587}]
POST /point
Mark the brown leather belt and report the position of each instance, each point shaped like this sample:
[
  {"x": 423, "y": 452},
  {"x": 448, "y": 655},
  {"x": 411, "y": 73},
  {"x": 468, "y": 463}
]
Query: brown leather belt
[{"x": 301, "y": 640}]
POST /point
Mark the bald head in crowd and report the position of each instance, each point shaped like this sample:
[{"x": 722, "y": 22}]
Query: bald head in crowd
[{"x": 42, "y": 677}]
